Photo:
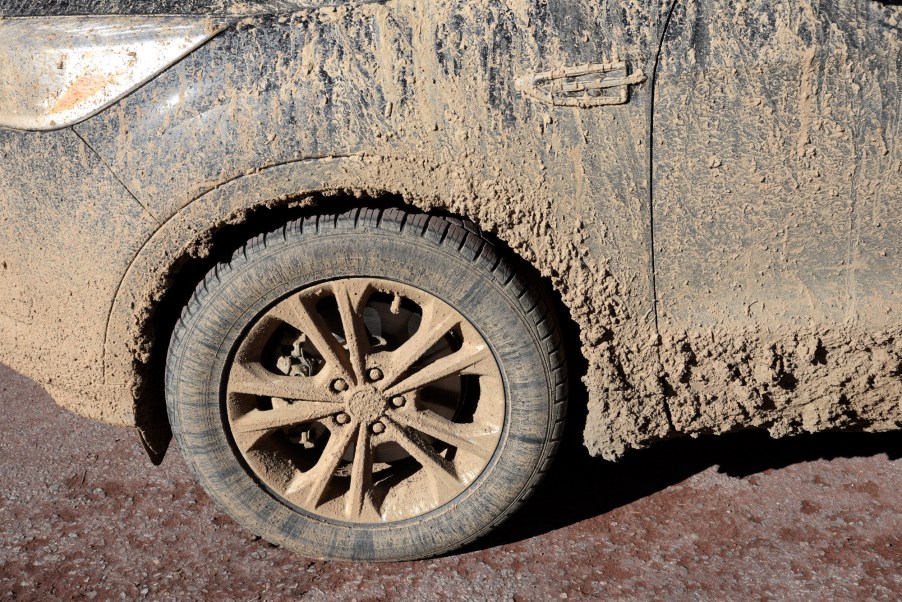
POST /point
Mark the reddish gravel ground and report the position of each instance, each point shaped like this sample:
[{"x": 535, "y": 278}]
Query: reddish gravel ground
[{"x": 84, "y": 515}]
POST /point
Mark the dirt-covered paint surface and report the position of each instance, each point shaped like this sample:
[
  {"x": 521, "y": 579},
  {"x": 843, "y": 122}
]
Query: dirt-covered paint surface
[
  {"x": 756, "y": 326},
  {"x": 29, "y": 8},
  {"x": 777, "y": 187},
  {"x": 68, "y": 230},
  {"x": 417, "y": 100}
]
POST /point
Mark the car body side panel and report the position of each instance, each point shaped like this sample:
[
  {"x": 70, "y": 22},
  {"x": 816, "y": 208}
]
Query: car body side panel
[
  {"x": 30, "y": 8},
  {"x": 777, "y": 183},
  {"x": 420, "y": 99},
  {"x": 68, "y": 230}
]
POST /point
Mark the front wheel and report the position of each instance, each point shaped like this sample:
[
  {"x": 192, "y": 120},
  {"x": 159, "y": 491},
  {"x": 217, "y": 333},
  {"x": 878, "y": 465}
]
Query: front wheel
[{"x": 378, "y": 385}]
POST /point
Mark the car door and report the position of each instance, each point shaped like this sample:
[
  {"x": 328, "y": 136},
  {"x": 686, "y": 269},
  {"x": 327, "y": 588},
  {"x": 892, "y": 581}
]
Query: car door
[{"x": 775, "y": 199}]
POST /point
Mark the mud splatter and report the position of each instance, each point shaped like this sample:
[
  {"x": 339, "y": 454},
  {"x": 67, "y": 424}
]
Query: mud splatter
[{"x": 775, "y": 232}]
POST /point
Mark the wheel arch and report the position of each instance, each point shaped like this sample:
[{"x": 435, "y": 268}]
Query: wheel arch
[{"x": 175, "y": 259}]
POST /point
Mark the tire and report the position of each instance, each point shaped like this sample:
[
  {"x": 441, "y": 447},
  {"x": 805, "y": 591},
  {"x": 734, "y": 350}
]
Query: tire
[{"x": 377, "y": 385}]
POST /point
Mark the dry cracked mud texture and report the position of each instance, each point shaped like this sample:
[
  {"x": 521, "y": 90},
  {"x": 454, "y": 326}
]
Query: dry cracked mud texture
[{"x": 83, "y": 515}]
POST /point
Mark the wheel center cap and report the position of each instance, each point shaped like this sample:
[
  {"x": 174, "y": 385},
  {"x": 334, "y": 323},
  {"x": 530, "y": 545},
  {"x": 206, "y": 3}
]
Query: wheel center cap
[{"x": 366, "y": 404}]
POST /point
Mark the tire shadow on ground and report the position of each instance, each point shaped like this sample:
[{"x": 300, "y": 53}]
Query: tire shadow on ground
[{"x": 581, "y": 487}]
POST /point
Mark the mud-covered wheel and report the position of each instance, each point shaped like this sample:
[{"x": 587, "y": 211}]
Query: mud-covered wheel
[{"x": 377, "y": 385}]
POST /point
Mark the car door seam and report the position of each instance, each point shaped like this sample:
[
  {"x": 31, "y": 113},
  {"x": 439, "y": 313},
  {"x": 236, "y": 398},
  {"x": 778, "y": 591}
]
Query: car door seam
[
  {"x": 116, "y": 176},
  {"x": 651, "y": 208}
]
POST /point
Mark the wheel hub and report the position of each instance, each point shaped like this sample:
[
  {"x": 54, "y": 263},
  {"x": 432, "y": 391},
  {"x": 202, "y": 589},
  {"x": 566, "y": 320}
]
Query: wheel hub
[{"x": 366, "y": 404}]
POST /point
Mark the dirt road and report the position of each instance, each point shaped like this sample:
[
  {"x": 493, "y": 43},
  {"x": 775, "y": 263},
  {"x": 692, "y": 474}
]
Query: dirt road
[{"x": 83, "y": 515}]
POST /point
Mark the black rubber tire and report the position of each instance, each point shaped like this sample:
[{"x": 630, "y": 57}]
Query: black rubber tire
[{"x": 445, "y": 257}]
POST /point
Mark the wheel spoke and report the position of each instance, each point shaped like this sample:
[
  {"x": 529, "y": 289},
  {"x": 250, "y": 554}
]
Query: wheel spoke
[
  {"x": 254, "y": 425},
  {"x": 358, "y": 499},
  {"x": 310, "y": 486},
  {"x": 438, "y": 468},
  {"x": 254, "y": 379},
  {"x": 296, "y": 413},
  {"x": 461, "y": 436},
  {"x": 435, "y": 324},
  {"x": 255, "y": 340},
  {"x": 301, "y": 314},
  {"x": 469, "y": 359},
  {"x": 350, "y": 296}
]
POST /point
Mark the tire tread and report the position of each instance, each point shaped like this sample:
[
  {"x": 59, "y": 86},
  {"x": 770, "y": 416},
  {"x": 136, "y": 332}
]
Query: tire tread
[{"x": 455, "y": 235}]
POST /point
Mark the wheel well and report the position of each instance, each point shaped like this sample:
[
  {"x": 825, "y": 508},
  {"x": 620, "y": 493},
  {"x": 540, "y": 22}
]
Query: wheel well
[{"x": 187, "y": 271}]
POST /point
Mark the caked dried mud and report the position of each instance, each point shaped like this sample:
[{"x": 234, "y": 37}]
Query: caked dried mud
[{"x": 752, "y": 281}]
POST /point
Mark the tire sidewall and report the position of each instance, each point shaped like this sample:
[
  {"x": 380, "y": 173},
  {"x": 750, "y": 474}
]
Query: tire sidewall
[{"x": 266, "y": 273}]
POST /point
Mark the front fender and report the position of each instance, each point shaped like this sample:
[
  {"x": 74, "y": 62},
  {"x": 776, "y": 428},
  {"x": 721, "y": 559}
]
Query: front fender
[{"x": 432, "y": 94}]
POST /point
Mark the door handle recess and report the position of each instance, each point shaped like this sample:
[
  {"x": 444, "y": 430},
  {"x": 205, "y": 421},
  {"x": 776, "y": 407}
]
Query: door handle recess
[{"x": 591, "y": 85}]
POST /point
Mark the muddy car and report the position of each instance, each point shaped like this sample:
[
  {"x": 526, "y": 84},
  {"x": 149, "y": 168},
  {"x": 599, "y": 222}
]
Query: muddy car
[{"x": 334, "y": 248}]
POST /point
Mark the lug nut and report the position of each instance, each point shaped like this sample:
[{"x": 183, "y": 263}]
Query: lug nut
[
  {"x": 377, "y": 427},
  {"x": 342, "y": 418},
  {"x": 339, "y": 385},
  {"x": 398, "y": 401},
  {"x": 375, "y": 374}
]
